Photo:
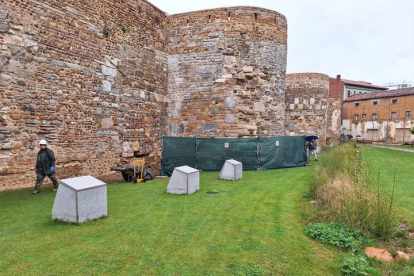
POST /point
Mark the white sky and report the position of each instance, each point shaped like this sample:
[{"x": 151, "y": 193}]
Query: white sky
[{"x": 369, "y": 40}]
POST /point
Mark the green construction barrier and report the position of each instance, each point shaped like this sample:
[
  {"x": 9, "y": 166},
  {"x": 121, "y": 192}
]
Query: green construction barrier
[
  {"x": 282, "y": 152},
  {"x": 213, "y": 152},
  {"x": 176, "y": 152}
]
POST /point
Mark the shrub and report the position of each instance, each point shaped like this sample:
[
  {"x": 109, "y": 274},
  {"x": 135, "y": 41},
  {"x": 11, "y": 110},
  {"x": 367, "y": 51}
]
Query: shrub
[{"x": 333, "y": 233}]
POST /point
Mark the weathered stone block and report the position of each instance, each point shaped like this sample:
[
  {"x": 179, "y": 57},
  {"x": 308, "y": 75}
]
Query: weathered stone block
[
  {"x": 184, "y": 180},
  {"x": 80, "y": 199},
  {"x": 231, "y": 170},
  {"x": 209, "y": 128},
  {"x": 248, "y": 69},
  {"x": 230, "y": 103},
  {"x": 259, "y": 107}
]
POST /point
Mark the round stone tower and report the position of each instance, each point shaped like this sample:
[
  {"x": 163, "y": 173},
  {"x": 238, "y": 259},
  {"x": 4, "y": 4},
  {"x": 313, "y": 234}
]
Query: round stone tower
[{"x": 226, "y": 72}]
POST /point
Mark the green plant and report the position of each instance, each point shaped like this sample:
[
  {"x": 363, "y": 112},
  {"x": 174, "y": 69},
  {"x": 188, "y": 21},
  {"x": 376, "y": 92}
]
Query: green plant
[
  {"x": 412, "y": 131},
  {"x": 308, "y": 196},
  {"x": 107, "y": 31},
  {"x": 333, "y": 233},
  {"x": 354, "y": 265},
  {"x": 125, "y": 29}
]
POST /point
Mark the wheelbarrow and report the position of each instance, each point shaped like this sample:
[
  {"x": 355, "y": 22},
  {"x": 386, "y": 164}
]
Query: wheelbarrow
[{"x": 137, "y": 172}]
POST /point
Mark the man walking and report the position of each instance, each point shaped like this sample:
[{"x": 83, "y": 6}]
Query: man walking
[
  {"x": 313, "y": 146},
  {"x": 45, "y": 166}
]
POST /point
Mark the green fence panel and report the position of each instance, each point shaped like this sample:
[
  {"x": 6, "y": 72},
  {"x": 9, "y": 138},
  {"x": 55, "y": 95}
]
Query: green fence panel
[
  {"x": 282, "y": 152},
  {"x": 176, "y": 152},
  {"x": 213, "y": 152}
]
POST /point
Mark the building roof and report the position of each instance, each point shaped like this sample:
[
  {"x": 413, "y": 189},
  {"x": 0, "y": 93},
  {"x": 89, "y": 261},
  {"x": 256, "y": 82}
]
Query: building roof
[
  {"x": 382, "y": 94},
  {"x": 363, "y": 84}
]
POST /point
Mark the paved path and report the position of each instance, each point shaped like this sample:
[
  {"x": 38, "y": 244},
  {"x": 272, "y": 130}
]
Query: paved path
[{"x": 393, "y": 148}]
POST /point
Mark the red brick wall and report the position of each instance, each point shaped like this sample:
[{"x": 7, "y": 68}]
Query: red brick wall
[{"x": 336, "y": 89}]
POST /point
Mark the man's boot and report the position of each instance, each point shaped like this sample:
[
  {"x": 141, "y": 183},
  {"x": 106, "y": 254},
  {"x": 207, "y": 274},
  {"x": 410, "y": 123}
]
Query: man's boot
[{"x": 36, "y": 192}]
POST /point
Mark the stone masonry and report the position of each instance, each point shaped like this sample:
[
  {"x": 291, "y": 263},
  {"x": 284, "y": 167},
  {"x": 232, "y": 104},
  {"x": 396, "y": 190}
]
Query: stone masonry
[
  {"x": 227, "y": 72},
  {"x": 90, "y": 77},
  {"x": 103, "y": 81},
  {"x": 308, "y": 109}
]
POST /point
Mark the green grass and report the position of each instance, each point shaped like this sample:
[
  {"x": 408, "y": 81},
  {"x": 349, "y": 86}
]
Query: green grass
[
  {"x": 384, "y": 161},
  {"x": 251, "y": 227}
]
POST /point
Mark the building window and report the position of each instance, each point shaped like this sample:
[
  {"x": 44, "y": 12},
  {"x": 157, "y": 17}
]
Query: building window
[
  {"x": 394, "y": 101},
  {"x": 188, "y": 22},
  {"x": 408, "y": 114},
  {"x": 374, "y": 116},
  {"x": 356, "y": 104},
  {"x": 364, "y": 116},
  {"x": 255, "y": 16},
  {"x": 393, "y": 115},
  {"x": 375, "y": 102},
  {"x": 356, "y": 117},
  {"x": 209, "y": 18},
  {"x": 349, "y": 93}
]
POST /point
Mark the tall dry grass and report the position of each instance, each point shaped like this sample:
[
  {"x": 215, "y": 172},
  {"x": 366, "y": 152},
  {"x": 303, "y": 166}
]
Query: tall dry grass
[{"x": 347, "y": 191}]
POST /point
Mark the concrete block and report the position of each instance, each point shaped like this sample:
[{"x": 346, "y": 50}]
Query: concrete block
[
  {"x": 231, "y": 170},
  {"x": 184, "y": 180},
  {"x": 80, "y": 199}
]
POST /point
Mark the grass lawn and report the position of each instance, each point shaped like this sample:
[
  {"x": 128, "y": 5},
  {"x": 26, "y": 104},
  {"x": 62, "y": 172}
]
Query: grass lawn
[
  {"x": 251, "y": 227},
  {"x": 385, "y": 160}
]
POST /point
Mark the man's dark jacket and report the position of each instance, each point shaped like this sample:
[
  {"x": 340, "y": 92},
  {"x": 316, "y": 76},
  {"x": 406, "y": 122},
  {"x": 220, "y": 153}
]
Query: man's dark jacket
[{"x": 45, "y": 160}]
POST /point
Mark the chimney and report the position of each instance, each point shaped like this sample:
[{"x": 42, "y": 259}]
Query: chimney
[{"x": 338, "y": 77}]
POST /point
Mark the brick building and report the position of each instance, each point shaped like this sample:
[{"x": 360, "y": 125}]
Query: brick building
[
  {"x": 380, "y": 116},
  {"x": 341, "y": 89}
]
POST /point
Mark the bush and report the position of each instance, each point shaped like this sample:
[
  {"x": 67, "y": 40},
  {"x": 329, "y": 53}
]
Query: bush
[{"x": 333, "y": 233}]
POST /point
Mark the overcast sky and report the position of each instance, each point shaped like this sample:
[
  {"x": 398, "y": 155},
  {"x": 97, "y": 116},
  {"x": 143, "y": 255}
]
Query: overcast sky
[{"x": 369, "y": 40}]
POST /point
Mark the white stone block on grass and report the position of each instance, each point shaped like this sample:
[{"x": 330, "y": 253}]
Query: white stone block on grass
[
  {"x": 80, "y": 199},
  {"x": 184, "y": 181},
  {"x": 231, "y": 170}
]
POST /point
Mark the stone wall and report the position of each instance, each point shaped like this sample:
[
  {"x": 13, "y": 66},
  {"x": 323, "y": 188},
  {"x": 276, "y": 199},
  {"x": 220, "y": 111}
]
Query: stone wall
[
  {"x": 307, "y": 105},
  {"x": 103, "y": 81},
  {"x": 333, "y": 128},
  {"x": 227, "y": 72},
  {"x": 89, "y": 77}
]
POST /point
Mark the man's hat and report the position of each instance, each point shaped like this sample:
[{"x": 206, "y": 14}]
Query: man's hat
[{"x": 43, "y": 142}]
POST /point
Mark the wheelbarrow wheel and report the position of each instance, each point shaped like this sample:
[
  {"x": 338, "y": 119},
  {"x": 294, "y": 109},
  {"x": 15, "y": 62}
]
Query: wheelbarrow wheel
[{"x": 126, "y": 177}]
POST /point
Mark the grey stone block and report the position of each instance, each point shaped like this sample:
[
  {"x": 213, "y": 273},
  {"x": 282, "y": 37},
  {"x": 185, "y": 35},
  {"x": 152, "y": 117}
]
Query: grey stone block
[
  {"x": 80, "y": 199},
  {"x": 184, "y": 180},
  {"x": 231, "y": 170}
]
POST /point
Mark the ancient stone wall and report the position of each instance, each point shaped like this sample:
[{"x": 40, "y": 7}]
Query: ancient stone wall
[
  {"x": 307, "y": 105},
  {"x": 227, "y": 72},
  {"x": 88, "y": 76},
  {"x": 103, "y": 81},
  {"x": 333, "y": 127}
]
